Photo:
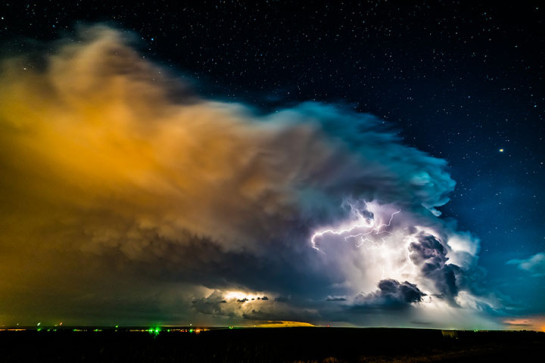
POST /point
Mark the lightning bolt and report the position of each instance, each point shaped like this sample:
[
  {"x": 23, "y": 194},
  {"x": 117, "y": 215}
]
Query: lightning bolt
[{"x": 361, "y": 222}]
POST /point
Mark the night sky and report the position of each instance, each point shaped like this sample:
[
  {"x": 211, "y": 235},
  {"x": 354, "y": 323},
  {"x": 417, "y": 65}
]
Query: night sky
[{"x": 166, "y": 162}]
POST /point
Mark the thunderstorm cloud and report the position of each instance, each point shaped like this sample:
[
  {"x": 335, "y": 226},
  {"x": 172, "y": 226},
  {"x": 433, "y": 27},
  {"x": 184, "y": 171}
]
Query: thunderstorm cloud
[{"x": 126, "y": 197}]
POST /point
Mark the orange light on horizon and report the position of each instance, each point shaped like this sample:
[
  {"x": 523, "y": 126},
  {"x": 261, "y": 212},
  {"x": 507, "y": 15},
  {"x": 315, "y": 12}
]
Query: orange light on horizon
[
  {"x": 284, "y": 324},
  {"x": 536, "y": 323}
]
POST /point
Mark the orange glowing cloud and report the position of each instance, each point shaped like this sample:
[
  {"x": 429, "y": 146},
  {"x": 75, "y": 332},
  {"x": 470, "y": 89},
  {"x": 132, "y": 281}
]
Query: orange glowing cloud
[{"x": 110, "y": 167}]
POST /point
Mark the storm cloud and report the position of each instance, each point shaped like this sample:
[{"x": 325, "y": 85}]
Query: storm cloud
[{"x": 121, "y": 187}]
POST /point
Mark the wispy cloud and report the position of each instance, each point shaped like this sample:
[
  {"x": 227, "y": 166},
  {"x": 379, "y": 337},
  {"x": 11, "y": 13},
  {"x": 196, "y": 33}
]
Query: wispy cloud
[{"x": 534, "y": 264}]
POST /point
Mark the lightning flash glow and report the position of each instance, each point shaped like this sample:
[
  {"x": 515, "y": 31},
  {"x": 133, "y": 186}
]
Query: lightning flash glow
[{"x": 412, "y": 264}]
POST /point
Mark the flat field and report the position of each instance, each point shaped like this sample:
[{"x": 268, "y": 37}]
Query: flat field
[{"x": 271, "y": 345}]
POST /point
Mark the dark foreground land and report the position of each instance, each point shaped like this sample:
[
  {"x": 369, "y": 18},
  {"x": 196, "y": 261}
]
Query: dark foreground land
[{"x": 273, "y": 345}]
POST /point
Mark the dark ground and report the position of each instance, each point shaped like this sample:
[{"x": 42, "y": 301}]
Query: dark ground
[{"x": 273, "y": 345}]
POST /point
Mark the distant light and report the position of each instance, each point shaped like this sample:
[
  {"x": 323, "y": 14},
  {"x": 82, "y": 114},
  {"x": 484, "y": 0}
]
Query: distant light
[
  {"x": 38, "y": 324},
  {"x": 155, "y": 331},
  {"x": 501, "y": 150}
]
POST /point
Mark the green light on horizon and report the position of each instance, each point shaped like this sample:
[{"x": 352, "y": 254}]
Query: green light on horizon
[{"x": 155, "y": 331}]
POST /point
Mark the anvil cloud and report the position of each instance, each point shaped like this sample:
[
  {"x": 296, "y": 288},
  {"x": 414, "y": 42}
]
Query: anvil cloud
[{"x": 125, "y": 197}]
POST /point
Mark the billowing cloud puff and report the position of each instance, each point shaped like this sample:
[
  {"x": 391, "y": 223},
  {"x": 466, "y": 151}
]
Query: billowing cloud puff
[
  {"x": 431, "y": 256},
  {"x": 126, "y": 196},
  {"x": 391, "y": 293}
]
